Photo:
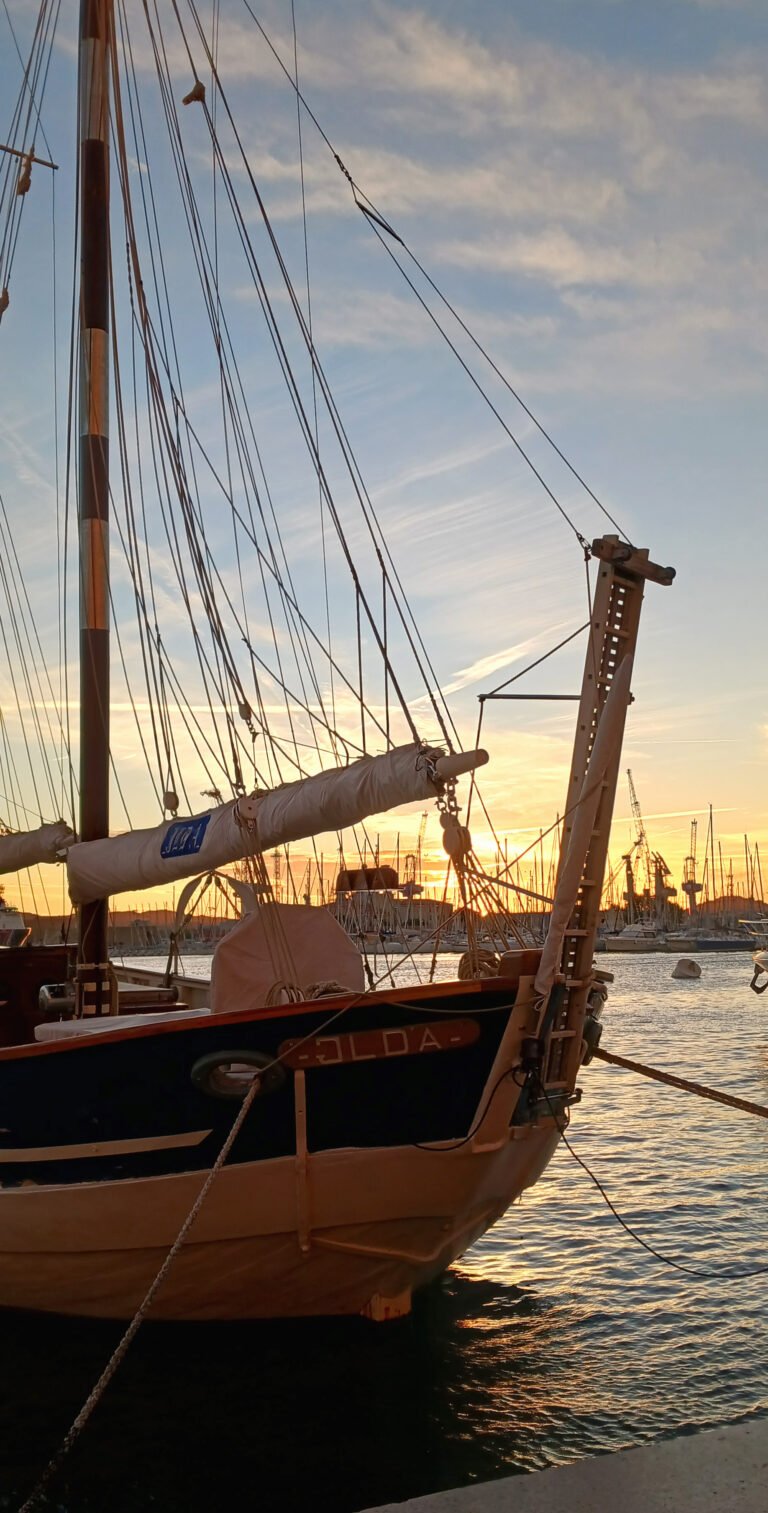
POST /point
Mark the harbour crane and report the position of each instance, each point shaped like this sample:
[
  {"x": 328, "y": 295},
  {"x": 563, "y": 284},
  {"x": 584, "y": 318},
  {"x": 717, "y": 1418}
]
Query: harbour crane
[
  {"x": 690, "y": 886},
  {"x": 412, "y": 883},
  {"x": 658, "y": 890},
  {"x": 641, "y": 839}
]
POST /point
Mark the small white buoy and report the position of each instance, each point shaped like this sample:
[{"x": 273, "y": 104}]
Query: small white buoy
[{"x": 687, "y": 968}]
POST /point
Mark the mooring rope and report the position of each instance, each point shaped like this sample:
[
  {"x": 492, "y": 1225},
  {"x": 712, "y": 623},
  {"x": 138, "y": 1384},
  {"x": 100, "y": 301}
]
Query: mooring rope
[
  {"x": 729, "y": 1099},
  {"x": 127, "y": 1338},
  {"x": 94, "y": 1397}
]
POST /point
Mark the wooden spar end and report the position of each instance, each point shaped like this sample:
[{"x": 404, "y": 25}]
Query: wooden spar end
[{"x": 631, "y": 559}]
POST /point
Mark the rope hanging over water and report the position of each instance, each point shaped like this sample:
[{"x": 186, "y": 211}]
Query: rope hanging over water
[{"x": 729, "y": 1099}]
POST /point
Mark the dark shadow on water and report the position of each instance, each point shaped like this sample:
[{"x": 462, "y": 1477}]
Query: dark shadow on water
[{"x": 336, "y": 1415}]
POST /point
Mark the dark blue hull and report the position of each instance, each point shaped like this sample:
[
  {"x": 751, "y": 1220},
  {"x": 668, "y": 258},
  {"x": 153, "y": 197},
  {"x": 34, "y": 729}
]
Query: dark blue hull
[{"x": 146, "y": 1085}]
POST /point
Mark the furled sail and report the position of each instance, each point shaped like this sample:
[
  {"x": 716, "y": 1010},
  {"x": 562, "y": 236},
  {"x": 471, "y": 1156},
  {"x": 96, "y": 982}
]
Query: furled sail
[
  {"x": 328, "y": 801},
  {"x": 30, "y": 847}
]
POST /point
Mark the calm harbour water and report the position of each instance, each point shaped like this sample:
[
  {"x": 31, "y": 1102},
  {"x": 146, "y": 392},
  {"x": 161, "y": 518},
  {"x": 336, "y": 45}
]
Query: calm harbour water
[{"x": 555, "y": 1337}]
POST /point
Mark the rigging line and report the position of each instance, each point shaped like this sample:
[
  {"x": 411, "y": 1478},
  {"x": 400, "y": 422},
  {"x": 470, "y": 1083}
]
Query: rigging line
[
  {"x": 359, "y": 194},
  {"x": 131, "y": 548},
  {"x": 137, "y": 721},
  {"x": 146, "y": 188},
  {"x": 51, "y": 21},
  {"x": 11, "y": 780},
  {"x": 472, "y": 784},
  {"x": 721, "y": 1275},
  {"x": 538, "y": 662},
  {"x": 38, "y": 704},
  {"x": 128, "y": 505},
  {"x": 420, "y": 640},
  {"x": 159, "y": 421},
  {"x": 306, "y": 431},
  {"x": 30, "y": 764},
  {"x": 346, "y": 450},
  {"x": 37, "y": 45},
  {"x": 220, "y": 692},
  {"x": 29, "y": 620},
  {"x": 514, "y": 887},
  {"x": 215, "y": 22},
  {"x": 384, "y": 632},
  {"x": 70, "y": 466},
  {"x": 152, "y": 380},
  {"x": 137, "y": 575},
  {"x": 311, "y": 340},
  {"x": 354, "y": 470},
  {"x": 187, "y": 714},
  {"x": 283, "y": 592},
  {"x": 478, "y": 386},
  {"x": 10, "y": 167},
  {"x": 48, "y": 148},
  {"x": 270, "y": 567},
  {"x": 275, "y": 333},
  {"x": 34, "y": 813},
  {"x": 216, "y": 323},
  {"x": 190, "y": 528},
  {"x": 63, "y": 748},
  {"x": 491, "y": 363}
]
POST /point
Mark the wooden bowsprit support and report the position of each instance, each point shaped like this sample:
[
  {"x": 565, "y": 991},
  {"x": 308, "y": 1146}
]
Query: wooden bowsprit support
[{"x": 618, "y": 600}]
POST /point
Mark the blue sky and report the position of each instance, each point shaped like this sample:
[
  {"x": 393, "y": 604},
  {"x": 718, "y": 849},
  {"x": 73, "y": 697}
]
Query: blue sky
[{"x": 587, "y": 183}]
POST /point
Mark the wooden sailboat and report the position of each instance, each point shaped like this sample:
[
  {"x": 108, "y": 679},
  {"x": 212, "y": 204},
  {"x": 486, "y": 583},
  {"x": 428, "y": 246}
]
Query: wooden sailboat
[{"x": 391, "y": 1126}]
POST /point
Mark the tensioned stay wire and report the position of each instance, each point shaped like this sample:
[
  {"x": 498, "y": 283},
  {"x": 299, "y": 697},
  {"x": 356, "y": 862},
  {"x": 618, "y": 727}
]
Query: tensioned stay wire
[{"x": 359, "y": 196}]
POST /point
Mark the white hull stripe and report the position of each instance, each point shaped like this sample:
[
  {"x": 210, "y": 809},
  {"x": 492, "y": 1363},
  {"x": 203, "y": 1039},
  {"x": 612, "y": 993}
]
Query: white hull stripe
[{"x": 103, "y": 1148}]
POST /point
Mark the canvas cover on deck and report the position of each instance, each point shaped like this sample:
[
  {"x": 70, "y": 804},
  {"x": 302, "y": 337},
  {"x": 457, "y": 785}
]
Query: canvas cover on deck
[{"x": 289, "y": 943}]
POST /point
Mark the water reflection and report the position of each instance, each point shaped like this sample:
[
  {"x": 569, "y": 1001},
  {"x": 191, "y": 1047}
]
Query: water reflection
[{"x": 336, "y": 1415}]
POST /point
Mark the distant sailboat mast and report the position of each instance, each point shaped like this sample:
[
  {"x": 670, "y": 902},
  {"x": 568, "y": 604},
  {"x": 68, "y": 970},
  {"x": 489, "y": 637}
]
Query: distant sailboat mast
[{"x": 93, "y": 977}]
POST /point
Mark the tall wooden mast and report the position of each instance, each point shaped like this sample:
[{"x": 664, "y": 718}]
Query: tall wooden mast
[{"x": 93, "y": 977}]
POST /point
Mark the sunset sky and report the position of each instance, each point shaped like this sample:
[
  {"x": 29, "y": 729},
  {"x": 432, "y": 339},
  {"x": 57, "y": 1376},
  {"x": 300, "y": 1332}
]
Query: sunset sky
[{"x": 588, "y": 184}]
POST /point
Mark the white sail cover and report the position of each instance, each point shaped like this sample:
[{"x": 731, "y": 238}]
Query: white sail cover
[
  {"x": 31, "y": 847},
  {"x": 176, "y": 849}
]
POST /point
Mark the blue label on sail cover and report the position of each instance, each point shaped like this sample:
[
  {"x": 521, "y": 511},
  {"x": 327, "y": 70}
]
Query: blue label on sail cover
[{"x": 184, "y": 838}]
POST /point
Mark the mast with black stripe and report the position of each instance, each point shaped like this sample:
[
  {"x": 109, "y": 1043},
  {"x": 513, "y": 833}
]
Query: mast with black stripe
[{"x": 94, "y": 994}]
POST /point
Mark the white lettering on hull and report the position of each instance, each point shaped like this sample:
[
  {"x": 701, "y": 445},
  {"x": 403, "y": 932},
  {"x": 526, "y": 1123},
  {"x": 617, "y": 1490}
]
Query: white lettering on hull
[{"x": 379, "y": 1045}]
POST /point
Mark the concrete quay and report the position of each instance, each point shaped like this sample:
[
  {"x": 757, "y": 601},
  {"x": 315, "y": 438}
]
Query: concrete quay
[{"x": 718, "y": 1471}]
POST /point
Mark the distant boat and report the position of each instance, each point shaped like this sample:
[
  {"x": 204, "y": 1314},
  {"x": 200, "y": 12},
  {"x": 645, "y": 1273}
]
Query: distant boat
[
  {"x": 637, "y": 937},
  {"x": 756, "y": 931},
  {"x": 13, "y": 931}
]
